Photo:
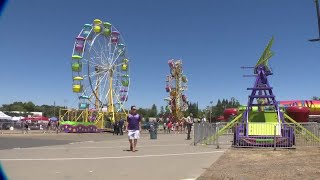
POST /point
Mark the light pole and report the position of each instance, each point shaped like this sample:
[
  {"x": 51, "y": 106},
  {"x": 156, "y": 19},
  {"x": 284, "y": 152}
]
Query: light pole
[
  {"x": 210, "y": 110},
  {"x": 54, "y": 108},
  {"x": 318, "y": 17}
]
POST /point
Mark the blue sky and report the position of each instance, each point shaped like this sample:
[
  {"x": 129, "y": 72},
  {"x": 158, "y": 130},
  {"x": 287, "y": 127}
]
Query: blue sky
[{"x": 214, "y": 38}]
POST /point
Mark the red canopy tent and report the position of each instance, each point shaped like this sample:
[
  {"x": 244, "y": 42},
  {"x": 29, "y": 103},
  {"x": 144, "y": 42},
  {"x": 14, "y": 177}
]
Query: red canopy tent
[
  {"x": 221, "y": 118},
  {"x": 36, "y": 118}
]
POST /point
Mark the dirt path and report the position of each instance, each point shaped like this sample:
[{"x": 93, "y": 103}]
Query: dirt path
[{"x": 247, "y": 164}]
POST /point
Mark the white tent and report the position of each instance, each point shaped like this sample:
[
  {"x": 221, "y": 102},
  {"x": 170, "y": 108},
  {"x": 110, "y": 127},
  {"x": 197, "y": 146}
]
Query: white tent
[
  {"x": 17, "y": 118},
  {"x": 4, "y": 116}
]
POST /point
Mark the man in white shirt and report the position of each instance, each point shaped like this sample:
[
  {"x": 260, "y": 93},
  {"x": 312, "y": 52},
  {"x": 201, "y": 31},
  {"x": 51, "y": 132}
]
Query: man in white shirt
[
  {"x": 204, "y": 119},
  {"x": 189, "y": 122}
]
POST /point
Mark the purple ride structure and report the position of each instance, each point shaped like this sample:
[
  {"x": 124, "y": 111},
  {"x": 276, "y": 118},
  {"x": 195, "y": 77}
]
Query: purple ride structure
[
  {"x": 262, "y": 123},
  {"x": 258, "y": 128}
]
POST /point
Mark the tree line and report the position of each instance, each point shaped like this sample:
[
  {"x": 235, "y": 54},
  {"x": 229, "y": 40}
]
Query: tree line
[
  {"x": 212, "y": 111},
  {"x": 51, "y": 110},
  {"x": 25, "y": 109}
]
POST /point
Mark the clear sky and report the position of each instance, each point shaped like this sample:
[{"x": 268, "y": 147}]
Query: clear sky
[{"x": 214, "y": 38}]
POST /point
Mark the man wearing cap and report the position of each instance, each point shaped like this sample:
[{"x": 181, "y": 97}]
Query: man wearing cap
[
  {"x": 133, "y": 127},
  {"x": 189, "y": 122}
]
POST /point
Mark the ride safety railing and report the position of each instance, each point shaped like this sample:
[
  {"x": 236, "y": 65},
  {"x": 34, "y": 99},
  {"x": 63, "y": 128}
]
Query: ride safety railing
[{"x": 266, "y": 135}]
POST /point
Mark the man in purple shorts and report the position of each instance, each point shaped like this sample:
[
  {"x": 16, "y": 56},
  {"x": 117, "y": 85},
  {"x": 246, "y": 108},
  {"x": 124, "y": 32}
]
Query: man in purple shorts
[{"x": 133, "y": 127}]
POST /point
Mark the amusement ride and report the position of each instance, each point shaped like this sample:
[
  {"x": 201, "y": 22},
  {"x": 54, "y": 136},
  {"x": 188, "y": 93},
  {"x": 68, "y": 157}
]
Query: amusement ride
[
  {"x": 176, "y": 84},
  {"x": 262, "y": 122},
  {"x": 100, "y": 74}
]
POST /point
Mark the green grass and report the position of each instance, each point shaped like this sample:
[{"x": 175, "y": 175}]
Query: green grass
[{"x": 72, "y": 123}]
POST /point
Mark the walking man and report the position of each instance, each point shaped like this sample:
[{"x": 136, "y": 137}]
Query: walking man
[
  {"x": 49, "y": 127},
  {"x": 57, "y": 126},
  {"x": 189, "y": 122},
  {"x": 121, "y": 123},
  {"x": 133, "y": 128},
  {"x": 26, "y": 127},
  {"x": 116, "y": 127}
]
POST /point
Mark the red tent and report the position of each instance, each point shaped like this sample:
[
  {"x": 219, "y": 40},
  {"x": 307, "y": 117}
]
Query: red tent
[
  {"x": 220, "y": 118},
  {"x": 36, "y": 118}
]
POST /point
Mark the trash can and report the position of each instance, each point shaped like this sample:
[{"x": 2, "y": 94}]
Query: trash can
[
  {"x": 153, "y": 134},
  {"x": 153, "y": 131}
]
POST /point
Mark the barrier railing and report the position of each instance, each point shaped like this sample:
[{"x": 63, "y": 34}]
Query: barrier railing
[
  {"x": 16, "y": 127},
  {"x": 272, "y": 135}
]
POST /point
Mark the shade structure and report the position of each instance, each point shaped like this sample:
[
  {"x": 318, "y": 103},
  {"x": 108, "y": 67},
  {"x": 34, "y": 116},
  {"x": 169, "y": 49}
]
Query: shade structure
[
  {"x": 53, "y": 119},
  {"x": 36, "y": 118},
  {"x": 4, "y": 116}
]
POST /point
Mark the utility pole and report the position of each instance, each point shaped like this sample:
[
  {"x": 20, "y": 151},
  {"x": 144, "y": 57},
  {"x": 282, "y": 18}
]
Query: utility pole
[
  {"x": 54, "y": 108},
  {"x": 210, "y": 110},
  {"x": 318, "y": 17}
]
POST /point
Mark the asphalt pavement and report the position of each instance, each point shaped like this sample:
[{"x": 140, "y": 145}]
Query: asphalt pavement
[
  {"x": 104, "y": 156},
  {"x": 19, "y": 140}
]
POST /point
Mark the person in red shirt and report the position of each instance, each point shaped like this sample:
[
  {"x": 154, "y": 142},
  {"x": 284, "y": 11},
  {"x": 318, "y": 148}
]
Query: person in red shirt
[{"x": 169, "y": 126}]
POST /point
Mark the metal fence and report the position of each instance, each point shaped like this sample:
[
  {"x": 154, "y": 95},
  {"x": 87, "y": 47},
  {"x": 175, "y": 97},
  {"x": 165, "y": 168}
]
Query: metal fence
[
  {"x": 18, "y": 127},
  {"x": 273, "y": 135}
]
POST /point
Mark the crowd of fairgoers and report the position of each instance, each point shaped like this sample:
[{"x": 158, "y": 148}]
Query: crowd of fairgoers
[{"x": 36, "y": 122}]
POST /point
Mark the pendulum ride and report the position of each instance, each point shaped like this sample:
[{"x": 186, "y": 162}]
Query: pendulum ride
[
  {"x": 262, "y": 123},
  {"x": 176, "y": 84}
]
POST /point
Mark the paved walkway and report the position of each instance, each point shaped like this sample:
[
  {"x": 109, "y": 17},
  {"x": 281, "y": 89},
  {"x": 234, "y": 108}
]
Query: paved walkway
[{"x": 168, "y": 157}]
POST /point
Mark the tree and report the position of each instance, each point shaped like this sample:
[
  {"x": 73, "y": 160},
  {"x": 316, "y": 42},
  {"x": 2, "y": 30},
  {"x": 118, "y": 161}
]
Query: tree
[
  {"x": 142, "y": 112},
  {"x": 315, "y": 98},
  {"x": 25, "y": 107},
  {"x": 17, "y": 107},
  {"x": 153, "y": 112},
  {"x": 192, "y": 108},
  {"x": 219, "y": 108},
  {"x": 201, "y": 113},
  {"x": 219, "y": 103},
  {"x": 161, "y": 111},
  {"x": 29, "y": 106}
]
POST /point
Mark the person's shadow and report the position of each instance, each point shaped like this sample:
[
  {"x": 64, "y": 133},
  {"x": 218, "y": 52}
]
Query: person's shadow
[{"x": 128, "y": 150}]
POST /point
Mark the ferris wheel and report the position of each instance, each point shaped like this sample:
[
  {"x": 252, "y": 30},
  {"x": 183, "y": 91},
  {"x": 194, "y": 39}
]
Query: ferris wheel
[
  {"x": 100, "y": 68},
  {"x": 176, "y": 84}
]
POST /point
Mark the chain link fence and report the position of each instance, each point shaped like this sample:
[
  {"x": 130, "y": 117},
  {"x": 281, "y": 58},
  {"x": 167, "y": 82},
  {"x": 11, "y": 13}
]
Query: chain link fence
[
  {"x": 19, "y": 127},
  {"x": 274, "y": 135}
]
